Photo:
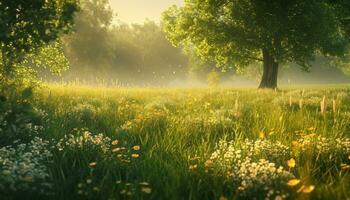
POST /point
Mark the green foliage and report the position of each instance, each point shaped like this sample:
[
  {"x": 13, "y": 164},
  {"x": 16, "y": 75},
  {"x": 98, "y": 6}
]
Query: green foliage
[
  {"x": 27, "y": 25},
  {"x": 46, "y": 60},
  {"x": 19, "y": 120},
  {"x": 89, "y": 44},
  {"x": 135, "y": 53},
  {"x": 234, "y": 33}
]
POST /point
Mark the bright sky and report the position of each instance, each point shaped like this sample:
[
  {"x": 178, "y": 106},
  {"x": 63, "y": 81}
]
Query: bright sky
[{"x": 136, "y": 11}]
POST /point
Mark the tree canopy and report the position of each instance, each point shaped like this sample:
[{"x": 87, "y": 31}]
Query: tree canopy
[
  {"x": 130, "y": 53},
  {"x": 236, "y": 33},
  {"x": 26, "y": 26}
]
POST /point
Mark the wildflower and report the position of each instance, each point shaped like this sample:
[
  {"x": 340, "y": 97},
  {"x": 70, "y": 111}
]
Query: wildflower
[
  {"x": 88, "y": 181},
  {"x": 262, "y": 135},
  {"x": 311, "y": 128},
  {"x": 93, "y": 164},
  {"x": 118, "y": 182},
  {"x": 136, "y": 148},
  {"x": 135, "y": 155},
  {"x": 293, "y": 182},
  {"x": 80, "y": 185},
  {"x": 96, "y": 189},
  {"x": 193, "y": 167},
  {"x": 291, "y": 163},
  {"x": 307, "y": 189},
  {"x": 146, "y": 190},
  {"x": 345, "y": 166},
  {"x": 122, "y": 148},
  {"x": 208, "y": 163},
  {"x": 144, "y": 183},
  {"x": 241, "y": 188},
  {"x": 115, "y": 142}
]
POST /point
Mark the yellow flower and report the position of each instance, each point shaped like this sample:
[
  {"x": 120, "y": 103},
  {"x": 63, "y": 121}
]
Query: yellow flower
[
  {"x": 262, "y": 135},
  {"x": 293, "y": 182},
  {"x": 146, "y": 190},
  {"x": 93, "y": 164},
  {"x": 295, "y": 143},
  {"x": 136, "y": 148},
  {"x": 115, "y": 142},
  {"x": 135, "y": 155},
  {"x": 291, "y": 163},
  {"x": 345, "y": 166},
  {"x": 311, "y": 129},
  {"x": 208, "y": 163},
  {"x": 308, "y": 189}
]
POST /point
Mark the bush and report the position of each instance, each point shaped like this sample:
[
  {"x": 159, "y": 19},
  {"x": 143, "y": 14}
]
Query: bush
[{"x": 19, "y": 120}]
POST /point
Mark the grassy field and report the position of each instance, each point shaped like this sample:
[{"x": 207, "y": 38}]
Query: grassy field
[{"x": 105, "y": 143}]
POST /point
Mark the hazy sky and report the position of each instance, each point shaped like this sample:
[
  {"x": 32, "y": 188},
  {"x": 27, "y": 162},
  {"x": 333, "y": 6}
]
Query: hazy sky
[{"x": 136, "y": 11}]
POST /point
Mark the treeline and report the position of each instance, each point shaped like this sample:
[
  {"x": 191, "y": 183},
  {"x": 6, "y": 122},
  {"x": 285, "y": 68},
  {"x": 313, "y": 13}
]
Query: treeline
[
  {"x": 136, "y": 54},
  {"x": 100, "y": 49}
]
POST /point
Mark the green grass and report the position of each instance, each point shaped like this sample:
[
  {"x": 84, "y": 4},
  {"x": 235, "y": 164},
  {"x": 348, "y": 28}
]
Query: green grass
[{"x": 179, "y": 129}]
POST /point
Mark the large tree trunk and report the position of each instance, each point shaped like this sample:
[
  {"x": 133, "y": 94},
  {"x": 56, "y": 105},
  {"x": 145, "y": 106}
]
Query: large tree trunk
[{"x": 269, "y": 78}]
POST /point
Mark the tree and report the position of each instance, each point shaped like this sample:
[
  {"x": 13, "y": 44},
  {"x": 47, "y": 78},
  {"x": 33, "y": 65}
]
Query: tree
[
  {"x": 89, "y": 46},
  {"x": 237, "y": 33},
  {"x": 25, "y": 26},
  {"x": 148, "y": 55}
]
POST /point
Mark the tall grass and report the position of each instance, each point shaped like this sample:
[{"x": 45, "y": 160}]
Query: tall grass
[{"x": 178, "y": 130}]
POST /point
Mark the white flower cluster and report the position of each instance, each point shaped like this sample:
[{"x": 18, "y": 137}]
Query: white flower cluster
[
  {"x": 250, "y": 167},
  {"x": 231, "y": 153},
  {"x": 263, "y": 176},
  {"x": 85, "y": 140},
  {"x": 23, "y": 167},
  {"x": 323, "y": 146}
]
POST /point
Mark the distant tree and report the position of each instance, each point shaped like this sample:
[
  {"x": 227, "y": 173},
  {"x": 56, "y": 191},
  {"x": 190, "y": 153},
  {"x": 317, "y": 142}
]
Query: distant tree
[
  {"x": 213, "y": 79},
  {"x": 28, "y": 25},
  {"x": 150, "y": 57},
  {"x": 237, "y": 33},
  {"x": 89, "y": 47}
]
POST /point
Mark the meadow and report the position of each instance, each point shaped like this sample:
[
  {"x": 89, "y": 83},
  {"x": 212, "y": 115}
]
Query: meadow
[{"x": 220, "y": 143}]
